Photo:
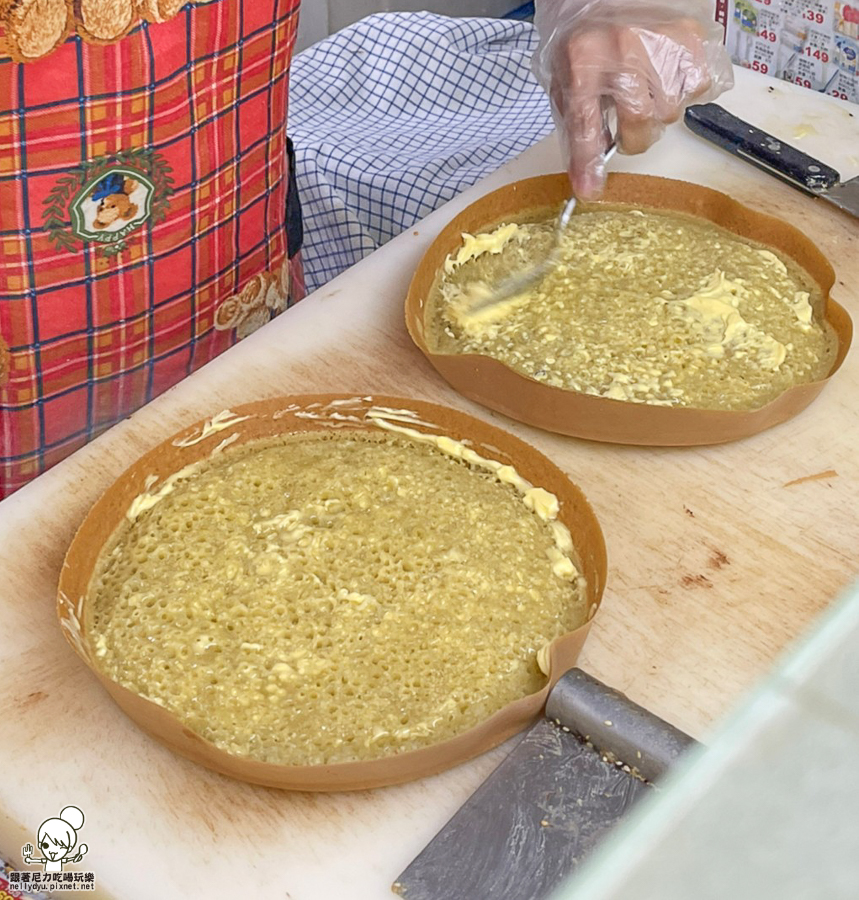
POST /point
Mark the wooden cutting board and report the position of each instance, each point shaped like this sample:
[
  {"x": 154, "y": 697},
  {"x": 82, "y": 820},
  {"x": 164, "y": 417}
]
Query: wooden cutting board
[{"x": 718, "y": 558}]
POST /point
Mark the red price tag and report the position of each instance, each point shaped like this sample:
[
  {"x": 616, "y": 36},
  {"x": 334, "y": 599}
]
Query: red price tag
[{"x": 758, "y": 66}]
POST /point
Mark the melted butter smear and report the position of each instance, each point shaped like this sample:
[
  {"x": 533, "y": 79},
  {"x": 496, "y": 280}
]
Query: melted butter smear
[
  {"x": 474, "y": 245},
  {"x": 467, "y": 307},
  {"x": 142, "y": 502},
  {"x": 712, "y": 313},
  {"x": 148, "y": 498},
  {"x": 226, "y": 418},
  {"x": 714, "y": 310},
  {"x": 471, "y": 314},
  {"x": 541, "y": 502}
]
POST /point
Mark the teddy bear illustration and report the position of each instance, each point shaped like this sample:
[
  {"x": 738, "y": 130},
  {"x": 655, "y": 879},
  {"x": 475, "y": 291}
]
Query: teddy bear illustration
[
  {"x": 33, "y": 28},
  {"x": 112, "y": 194},
  {"x": 260, "y": 298}
]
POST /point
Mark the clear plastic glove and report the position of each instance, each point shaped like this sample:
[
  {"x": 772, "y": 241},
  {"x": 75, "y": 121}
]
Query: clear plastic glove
[{"x": 644, "y": 59}]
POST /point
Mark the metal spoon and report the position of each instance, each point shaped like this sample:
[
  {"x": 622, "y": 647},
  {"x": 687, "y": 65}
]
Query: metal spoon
[{"x": 521, "y": 281}]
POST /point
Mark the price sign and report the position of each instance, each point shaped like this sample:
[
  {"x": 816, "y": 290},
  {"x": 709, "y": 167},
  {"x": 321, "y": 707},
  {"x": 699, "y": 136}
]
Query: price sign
[{"x": 812, "y": 43}]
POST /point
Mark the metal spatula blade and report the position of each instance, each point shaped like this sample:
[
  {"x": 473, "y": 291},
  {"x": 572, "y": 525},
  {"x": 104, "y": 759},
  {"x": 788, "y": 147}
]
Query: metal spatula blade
[{"x": 550, "y": 802}]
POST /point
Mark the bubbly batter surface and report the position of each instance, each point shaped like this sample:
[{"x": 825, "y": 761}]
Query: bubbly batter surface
[
  {"x": 335, "y": 597},
  {"x": 645, "y": 306}
]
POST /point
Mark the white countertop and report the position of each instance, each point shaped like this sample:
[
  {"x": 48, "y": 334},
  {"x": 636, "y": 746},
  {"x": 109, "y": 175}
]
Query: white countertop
[
  {"x": 158, "y": 823},
  {"x": 768, "y": 809}
]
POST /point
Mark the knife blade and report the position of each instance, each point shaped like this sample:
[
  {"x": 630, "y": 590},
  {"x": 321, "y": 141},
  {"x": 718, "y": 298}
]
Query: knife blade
[
  {"x": 572, "y": 777},
  {"x": 774, "y": 156}
]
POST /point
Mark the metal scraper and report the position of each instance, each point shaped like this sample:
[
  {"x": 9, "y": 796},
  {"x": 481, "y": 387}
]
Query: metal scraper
[
  {"x": 564, "y": 785},
  {"x": 798, "y": 169}
]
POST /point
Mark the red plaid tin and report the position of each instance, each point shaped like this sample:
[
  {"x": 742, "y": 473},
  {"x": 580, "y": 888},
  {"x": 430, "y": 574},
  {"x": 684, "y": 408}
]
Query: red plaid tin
[{"x": 144, "y": 181}]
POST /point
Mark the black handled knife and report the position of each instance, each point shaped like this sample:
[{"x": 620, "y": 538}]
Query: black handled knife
[{"x": 810, "y": 175}]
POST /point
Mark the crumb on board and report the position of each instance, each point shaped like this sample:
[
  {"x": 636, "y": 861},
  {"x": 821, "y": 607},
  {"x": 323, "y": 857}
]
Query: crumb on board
[{"x": 818, "y": 476}]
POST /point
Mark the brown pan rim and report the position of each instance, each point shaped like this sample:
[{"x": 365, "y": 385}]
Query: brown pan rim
[
  {"x": 278, "y": 416},
  {"x": 493, "y": 384}
]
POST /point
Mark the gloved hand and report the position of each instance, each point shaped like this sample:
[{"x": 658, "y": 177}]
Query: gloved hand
[{"x": 646, "y": 59}]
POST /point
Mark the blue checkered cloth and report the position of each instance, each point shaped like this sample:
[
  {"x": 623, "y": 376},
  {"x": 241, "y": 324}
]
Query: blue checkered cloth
[{"x": 399, "y": 113}]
